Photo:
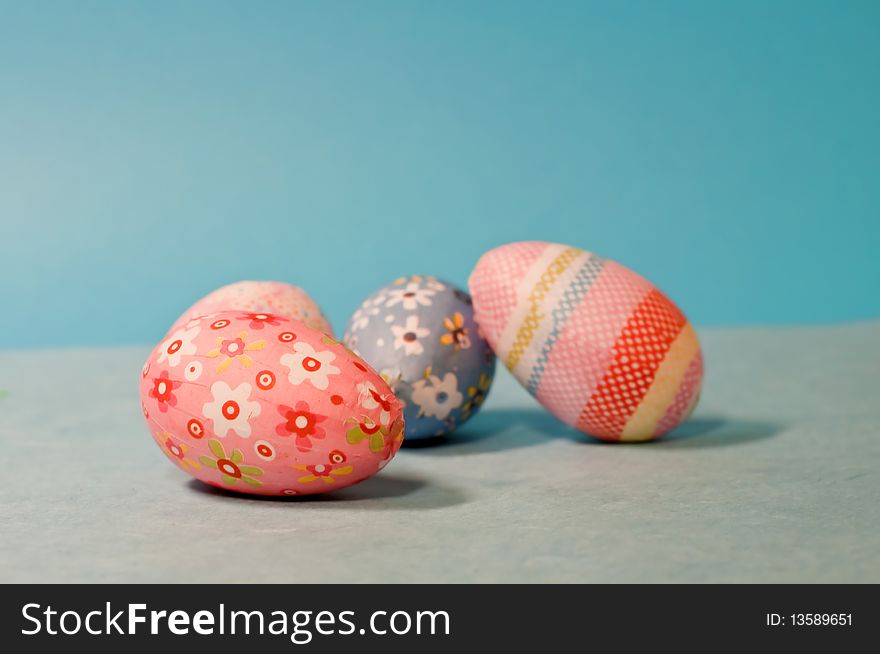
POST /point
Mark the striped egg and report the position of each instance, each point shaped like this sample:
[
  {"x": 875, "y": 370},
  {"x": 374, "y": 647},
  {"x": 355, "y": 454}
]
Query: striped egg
[{"x": 599, "y": 346}]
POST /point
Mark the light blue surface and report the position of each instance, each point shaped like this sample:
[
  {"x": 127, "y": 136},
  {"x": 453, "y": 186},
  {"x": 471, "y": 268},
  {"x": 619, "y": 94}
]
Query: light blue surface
[
  {"x": 774, "y": 479},
  {"x": 152, "y": 151}
]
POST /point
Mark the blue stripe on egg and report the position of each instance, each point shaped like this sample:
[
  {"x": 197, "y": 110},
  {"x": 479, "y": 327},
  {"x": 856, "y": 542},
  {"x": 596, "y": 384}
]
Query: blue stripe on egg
[{"x": 569, "y": 301}]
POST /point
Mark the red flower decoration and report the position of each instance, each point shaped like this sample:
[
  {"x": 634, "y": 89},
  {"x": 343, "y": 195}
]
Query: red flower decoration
[
  {"x": 320, "y": 470},
  {"x": 302, "y": 423},
  {"x": 163, "y": 391},
  {"x": 286, "y": 337},
  {"x": 260, "y": 320},
  {"x": 195, "y": 428},
  {"x": 227, "y": 467},
  {"x": 174, "y": 448},
  {"x": 383, "y": 401},
  {"x": 265, "y": 379},
  {"x": 232, "y": 348}
]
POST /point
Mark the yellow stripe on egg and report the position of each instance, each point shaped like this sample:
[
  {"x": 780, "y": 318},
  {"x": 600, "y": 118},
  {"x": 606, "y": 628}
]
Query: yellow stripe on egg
[
  {"x": 664, "y": 388},
  {"x": 534, "y": 315},
  {"x": 522, "y": 291},
  {"x": 550, "y": 302}
]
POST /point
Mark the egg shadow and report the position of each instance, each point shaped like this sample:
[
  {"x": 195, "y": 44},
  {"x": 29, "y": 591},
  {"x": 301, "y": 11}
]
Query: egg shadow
[
  {"x": 715, "y": 431},
  {"x": 382, "y": 492},
  {"x": 495, "y": 430}
]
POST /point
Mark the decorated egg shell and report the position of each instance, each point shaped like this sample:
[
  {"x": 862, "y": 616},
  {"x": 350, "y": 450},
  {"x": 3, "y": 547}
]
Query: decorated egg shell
[
  {"x": 277, "y": 410},
  {"x": 420, "y": 334},
  {"x": 264, "y": 300},
  {"x": 599, "y": 346}
]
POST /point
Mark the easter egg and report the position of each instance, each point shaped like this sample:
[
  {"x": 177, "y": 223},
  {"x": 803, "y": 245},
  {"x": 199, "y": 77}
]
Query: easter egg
[
  {"x": 264, "y": 300},
  {"x": 419, "y": 334},
  {"x": 600, "y": 347},
  {"x": 279, "y": 409}
]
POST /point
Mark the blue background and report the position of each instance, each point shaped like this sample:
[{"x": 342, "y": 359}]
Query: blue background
[{"x": 152, "y": 151}]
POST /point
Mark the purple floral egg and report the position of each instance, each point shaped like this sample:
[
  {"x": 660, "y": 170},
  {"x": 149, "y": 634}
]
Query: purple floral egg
[{"x": 419, "y": 334}]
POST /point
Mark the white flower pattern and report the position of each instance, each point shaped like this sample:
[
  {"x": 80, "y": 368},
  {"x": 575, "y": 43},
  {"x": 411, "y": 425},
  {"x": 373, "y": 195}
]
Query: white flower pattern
[
  {"x": 437, "y": 398},
  {"x": 308, "y": 364},
  {"x": 231, "y": 409},
  {"x": 361, "y": 318},
  {"x": 370, "y": 399},
  {"x": 179, "y": 345},
  {"x": 426, "y": 327},
  {"x": 407, "y": 336},
  {"x": 193, "y": 370},
  {"x": 411, "y": 296}
]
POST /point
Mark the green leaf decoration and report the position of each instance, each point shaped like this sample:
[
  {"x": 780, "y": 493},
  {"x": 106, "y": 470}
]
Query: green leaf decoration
[
  {"x": 208, "y": 461},
  {"x": 355, "y": 435},
  {"x": 251, "y": 482},
  {"x": 236, "y": 456},
  {"x": 377, "y": 442},
  {"x": 251, "y": 470},
  {"x": 229, "y": 480},
  {"x": 217, "y": 448}
]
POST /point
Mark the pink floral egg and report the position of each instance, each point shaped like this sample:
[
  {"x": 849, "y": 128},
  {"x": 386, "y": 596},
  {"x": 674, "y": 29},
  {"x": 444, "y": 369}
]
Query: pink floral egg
[
  {"x": 598, "y": 346},
  {"x": 263, "y": 300},
  {"x": 268, "y": 407}
]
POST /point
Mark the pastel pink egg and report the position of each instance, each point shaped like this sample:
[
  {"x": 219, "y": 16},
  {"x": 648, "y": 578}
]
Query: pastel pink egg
[
  {"x": 260, "y": 298},
  {"x": 600, "y": 347},
  {"x": 268, "y": 407}
]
